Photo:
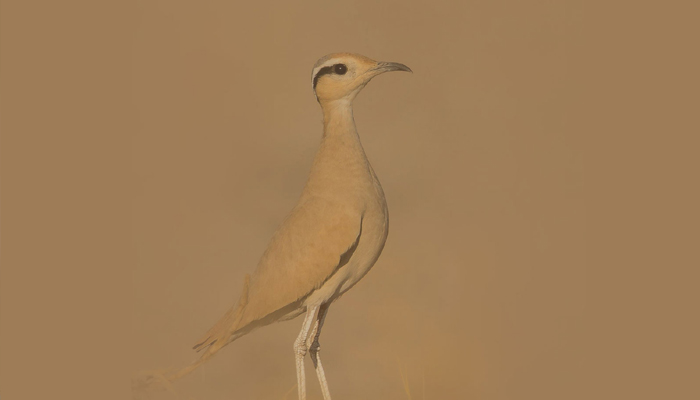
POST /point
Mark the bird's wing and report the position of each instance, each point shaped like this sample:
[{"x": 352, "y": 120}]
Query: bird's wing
[{"x": 317, "y": 238}]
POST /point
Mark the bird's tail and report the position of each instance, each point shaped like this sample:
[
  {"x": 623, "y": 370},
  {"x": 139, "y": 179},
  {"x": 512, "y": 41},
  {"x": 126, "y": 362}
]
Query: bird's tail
[
  {"x": 214, "y": 340},
  {"x": 227, "y": 325}
]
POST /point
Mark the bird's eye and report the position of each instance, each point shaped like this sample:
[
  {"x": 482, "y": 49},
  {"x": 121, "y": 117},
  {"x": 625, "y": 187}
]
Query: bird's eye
[{"x": 340, "y": 69}]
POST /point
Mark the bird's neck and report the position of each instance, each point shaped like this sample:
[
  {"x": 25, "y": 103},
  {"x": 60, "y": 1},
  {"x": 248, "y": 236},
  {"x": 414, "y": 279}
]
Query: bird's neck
[
  {"x": 339, "y": 132},
  {"x": 338, "y": 120},
  {"x": 340, "y": 160}
]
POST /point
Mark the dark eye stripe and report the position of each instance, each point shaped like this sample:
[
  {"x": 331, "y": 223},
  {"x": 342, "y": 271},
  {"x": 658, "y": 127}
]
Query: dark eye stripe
[
  {"x": 323, "y": 71},
  {"x": 339, "y": 69}
]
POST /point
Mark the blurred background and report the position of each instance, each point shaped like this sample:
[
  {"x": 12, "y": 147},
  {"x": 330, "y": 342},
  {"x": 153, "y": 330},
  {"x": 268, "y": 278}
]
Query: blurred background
[{"x": 540, "y": 167}]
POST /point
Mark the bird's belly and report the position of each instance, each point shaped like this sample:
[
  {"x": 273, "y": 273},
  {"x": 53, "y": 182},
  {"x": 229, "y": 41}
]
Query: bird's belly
[{"x": 370, "y": 246}]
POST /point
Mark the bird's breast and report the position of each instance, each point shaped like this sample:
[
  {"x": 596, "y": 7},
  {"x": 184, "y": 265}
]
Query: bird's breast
[{"x": 342, "y": 175}]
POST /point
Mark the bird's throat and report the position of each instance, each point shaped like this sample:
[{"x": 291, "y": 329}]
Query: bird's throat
[{"x": 338, "y": 119}]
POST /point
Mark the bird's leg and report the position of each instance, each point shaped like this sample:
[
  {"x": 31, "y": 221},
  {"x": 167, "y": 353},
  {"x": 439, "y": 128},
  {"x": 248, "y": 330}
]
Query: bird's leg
[
  {"x": 314, "y": 349},
  {"x": 300, "y": 349}
]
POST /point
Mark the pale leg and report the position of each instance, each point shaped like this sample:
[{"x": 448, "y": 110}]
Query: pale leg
[
  {"x": 300, "y": 348},
  {"x": 315, "y": 348}
]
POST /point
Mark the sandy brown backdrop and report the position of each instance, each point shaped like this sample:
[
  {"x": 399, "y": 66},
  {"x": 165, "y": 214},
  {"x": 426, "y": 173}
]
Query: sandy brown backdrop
[{"x": 540, "y": 167}]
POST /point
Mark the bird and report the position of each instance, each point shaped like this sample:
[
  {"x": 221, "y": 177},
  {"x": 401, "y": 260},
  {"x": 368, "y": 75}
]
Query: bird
[{"x": 329, "y": 241}]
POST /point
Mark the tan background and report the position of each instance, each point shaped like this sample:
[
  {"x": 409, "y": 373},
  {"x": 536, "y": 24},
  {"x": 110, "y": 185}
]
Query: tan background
[{"x": 540, "y": 167}]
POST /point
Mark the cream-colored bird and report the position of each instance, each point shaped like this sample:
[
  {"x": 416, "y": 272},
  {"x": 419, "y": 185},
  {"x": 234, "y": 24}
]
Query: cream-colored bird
[{"x": 332, "y": 237}]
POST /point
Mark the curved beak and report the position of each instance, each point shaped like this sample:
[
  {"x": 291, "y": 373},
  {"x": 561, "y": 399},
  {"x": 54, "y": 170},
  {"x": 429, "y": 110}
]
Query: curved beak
[{"x": 388, "y": 67}]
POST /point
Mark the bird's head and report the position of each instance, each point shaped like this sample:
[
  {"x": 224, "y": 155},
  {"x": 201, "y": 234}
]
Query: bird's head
[{"x": 342, "y": 75}]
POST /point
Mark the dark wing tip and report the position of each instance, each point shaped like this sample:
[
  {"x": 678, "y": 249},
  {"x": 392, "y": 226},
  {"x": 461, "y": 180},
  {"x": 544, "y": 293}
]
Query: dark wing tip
[{"x": 202, "y": 345}]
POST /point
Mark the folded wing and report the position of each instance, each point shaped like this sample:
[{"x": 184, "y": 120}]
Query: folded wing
[{"x": 315, "y": 240}]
